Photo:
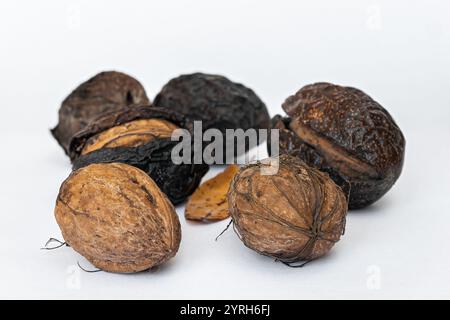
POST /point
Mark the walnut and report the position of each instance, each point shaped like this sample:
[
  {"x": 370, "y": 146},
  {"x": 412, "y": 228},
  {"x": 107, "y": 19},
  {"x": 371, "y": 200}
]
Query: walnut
[
  {"x": 117, "y": 218},
  {"x": 344, "y": 132},
  {"x": 209, "y": 202},
  {"x": 105, "y": 92},
  {"x": 295, "y": 215}
]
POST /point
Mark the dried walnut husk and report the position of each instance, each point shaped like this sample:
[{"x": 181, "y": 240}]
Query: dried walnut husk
[
  {"x": 105, "y": 92},
  {"x": 117, "y": 218},
  {"x": 209, "y": 201},
  {"x": 216, "y": 101},
  {"x": 295, "y": 215},
  {"x": 139, "y": 136},
  {"x": 344, "y": 132}
]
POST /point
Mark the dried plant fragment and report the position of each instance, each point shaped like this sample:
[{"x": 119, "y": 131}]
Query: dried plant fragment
[{"x": 209, "y": 201}]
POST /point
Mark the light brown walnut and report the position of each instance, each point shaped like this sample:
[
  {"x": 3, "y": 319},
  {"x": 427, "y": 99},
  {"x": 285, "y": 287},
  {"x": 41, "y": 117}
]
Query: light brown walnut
[
  {"x": 117, "y": 218},
  {"x": 295, "y": 215}
]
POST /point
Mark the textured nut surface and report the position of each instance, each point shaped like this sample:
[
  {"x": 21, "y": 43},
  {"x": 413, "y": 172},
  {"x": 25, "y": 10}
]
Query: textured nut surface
[
  {"x": 296, "y": 215},
  {"x": 131, "y": 134},
  {"x": 105, "y": 92},
  {"x": 343, "y": 131},
  {"x": 117, "y": 218}
]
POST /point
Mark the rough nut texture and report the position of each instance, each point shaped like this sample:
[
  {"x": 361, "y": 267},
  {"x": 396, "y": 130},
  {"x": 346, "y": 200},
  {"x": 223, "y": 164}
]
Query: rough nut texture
[
  {"x": 117, "y": 218},
  {"x": 295, "y": 215},
  {"x": 344, "y": 132},
  {"x": 107, "y": 91},
  {"x": 216, "y": 101}
]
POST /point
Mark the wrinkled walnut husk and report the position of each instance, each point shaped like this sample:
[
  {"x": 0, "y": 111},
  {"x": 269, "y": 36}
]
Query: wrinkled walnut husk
[
  {"x": 216, "y": 101},
  {"x": 296, "y": 215},
  {"x": 117, "y": 218},
  {"x": 153, "y": 157},
  {"x": 209, "y": 201},
  {"x": 344, "y": 132},
  {"x": 177, "y": 181},
  {"x": 105, "y": 92}
]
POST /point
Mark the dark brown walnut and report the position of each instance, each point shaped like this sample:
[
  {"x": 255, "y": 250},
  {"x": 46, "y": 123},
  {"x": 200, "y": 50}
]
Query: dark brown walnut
[
  {"x": 216, "y": 101},
  {"x": 105, "y": 92},
  {"x": 295, "y": 215},
  {"x": 117, "y": 218},
  {"x": 344, "y": 132},
  {"x": 139, "y": 136}
]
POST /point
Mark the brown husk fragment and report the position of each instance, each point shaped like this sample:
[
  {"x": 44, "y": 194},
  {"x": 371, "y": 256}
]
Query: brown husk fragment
[
  {"x": 295, "y": 215},
  {"x": 105, "y": 92},
  {"x": 209, "y": 201},
  {"x": 117, "y": 218},
  {"x": 344, "y": 132}
]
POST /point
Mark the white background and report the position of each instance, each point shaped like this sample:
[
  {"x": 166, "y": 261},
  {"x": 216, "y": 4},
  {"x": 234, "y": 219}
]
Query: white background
[{"x": 396, "y": 51}]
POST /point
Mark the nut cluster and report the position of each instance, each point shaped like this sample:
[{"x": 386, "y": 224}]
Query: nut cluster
[{"x": 340, "y": 150}]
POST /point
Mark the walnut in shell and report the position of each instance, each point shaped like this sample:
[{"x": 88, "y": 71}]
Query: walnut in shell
[
  {"x": 295, "y": 215},
  {"x": 117, "y": 218},
  {"x": 344, "y": 132}
]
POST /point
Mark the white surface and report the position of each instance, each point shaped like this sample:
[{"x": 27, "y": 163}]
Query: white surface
[{"x": 396, "y": 51}]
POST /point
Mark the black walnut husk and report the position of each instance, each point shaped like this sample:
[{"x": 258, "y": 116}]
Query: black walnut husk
[
  {"x": 177, "y": 181},
  {"x": 344, "y": 132},
  {"x": 216, "y": 101},
  {"x": 117, "y": 218},
  {"x": 295, "y": 215},
  {"x": 105, "y": 92}
]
